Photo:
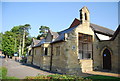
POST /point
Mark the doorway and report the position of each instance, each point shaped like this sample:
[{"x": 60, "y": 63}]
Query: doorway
[{"x": 106, "y": 59}]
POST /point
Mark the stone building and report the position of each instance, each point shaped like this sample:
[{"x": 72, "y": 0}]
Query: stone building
[{"x": 82, "y": 47}]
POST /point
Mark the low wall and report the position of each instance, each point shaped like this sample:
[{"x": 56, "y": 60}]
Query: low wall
[{"x": 86, "y": 65}]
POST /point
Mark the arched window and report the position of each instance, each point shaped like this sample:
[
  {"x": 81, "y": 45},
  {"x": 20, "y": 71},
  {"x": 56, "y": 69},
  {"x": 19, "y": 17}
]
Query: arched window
[{"x": 85, "y": 16}]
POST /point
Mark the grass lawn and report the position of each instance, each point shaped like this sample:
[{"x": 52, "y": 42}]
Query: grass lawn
[
  {"x": 3, "y": 75},
  {"x": 103, "y": 78}
]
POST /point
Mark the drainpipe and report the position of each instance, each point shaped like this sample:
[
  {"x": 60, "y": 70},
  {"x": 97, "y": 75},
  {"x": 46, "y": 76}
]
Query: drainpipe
[
  {"x": 51, "y": 57},
  {"x": 32, "y": 55}
]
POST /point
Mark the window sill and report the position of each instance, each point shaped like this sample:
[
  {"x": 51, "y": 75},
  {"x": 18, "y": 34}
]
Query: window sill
[{"x": 86, "y": 59}]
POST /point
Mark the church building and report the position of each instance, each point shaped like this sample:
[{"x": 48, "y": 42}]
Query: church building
[{"x": 82, "y": 47}]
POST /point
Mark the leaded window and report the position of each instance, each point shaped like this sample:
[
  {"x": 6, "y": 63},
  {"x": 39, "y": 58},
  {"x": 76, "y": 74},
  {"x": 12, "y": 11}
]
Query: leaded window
[{"x": 85, "y": 46}]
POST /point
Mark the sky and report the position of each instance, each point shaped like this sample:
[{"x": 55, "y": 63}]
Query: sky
[{"x": 56, "y": 15}]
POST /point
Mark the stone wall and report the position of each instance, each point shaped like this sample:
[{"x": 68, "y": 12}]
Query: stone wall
[
  {"x": 39, "y": 57},
  {"x": 36, "y": 56},
  {"x": 46, "y": 63},
  {"x": 59, "y": 61},
  {"x": 72, "y": 51},
  {"x": 98, "y": 53}
]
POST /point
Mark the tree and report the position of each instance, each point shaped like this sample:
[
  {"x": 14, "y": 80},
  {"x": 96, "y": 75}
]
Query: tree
[
  {"x": 15, "y": 39},
  {"x": 17, "y": 30},
  {"x": 18, "y": 36},
  {"x": 8, "y": 43},
  {"x": 1, "y": 41},
  {"x": 25, "y": 29},
  {"x": 43, "y": 30}
]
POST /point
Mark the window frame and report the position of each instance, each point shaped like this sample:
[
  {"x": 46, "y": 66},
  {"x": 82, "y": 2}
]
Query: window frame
[{"x": 45, "y": 51}]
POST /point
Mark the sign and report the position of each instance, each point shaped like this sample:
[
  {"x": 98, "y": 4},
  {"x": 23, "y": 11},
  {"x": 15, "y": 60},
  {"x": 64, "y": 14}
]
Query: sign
[{"x": 15, "y": 54}]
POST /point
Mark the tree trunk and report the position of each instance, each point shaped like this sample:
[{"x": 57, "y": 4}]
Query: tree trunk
[
  {"x": 20, "y": 49},
  {"x": 23, "y": 45}
]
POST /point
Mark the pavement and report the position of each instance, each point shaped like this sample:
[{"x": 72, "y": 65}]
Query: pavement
[
  {"x": 20, "y": 70},
  {"x": 104, "y": 73}
]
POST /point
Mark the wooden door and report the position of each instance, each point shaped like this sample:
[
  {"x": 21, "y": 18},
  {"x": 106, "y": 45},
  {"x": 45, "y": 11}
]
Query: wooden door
[{"x": 106, "y": 59}]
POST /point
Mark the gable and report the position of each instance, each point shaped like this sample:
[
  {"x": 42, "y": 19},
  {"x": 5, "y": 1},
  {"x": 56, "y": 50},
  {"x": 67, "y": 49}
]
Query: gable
[
  {"x": 48, "y": 37},
  {"x": 51, "y": 36},
  {"x": 75, "y": 23},
  {"x": 34, "y": 42}
]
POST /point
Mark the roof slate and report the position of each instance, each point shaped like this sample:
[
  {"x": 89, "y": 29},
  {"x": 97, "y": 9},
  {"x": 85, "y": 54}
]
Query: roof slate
[
  {"x": 61, "y": 34},
  {"x": 101, "y": 29}
]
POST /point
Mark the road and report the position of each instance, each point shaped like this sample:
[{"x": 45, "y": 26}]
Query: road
[{"x": 20, "y": 70}]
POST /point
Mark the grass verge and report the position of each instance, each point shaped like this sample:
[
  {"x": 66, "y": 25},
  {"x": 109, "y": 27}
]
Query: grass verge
[
  {"x": 3, "y": 74},
  {"x": 103, "y": 78}
]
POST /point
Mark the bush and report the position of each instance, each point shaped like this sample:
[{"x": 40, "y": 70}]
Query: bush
[{"x": 56, "y": 77}]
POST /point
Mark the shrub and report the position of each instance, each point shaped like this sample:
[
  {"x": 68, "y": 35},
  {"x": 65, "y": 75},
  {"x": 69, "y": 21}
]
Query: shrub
[{"x": 55, "y": 77}]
